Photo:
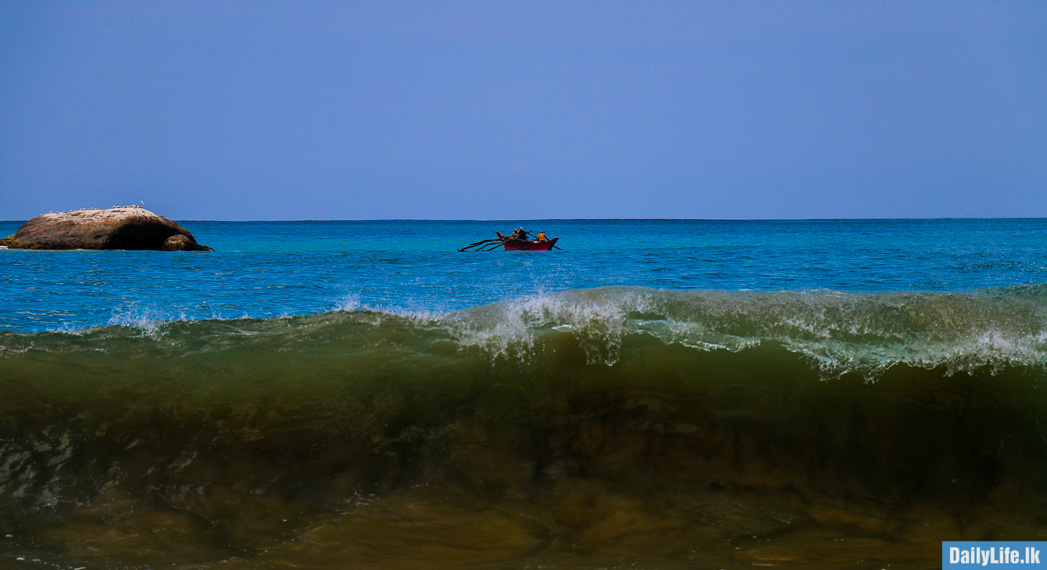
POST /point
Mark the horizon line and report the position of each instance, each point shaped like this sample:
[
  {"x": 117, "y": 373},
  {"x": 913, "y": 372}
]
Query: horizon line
[{"x": 841, "y": 219}]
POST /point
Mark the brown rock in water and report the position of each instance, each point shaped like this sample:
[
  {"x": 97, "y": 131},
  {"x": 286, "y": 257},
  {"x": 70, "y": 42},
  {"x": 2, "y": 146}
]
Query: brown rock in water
[
  {"x": 129, "y": 227},
  {"x": 180, "y": 242}
]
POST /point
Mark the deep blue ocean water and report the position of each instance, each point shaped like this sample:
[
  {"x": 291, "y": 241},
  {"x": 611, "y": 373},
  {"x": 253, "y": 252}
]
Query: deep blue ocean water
[{"x": 266, "y": 269}]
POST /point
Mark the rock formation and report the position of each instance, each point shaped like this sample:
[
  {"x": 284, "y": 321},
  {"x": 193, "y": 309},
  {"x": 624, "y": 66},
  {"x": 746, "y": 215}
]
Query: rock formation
[{"x": 129, "y": 227}]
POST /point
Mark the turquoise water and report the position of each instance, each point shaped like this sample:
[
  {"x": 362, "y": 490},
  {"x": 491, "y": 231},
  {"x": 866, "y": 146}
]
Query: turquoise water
[
  {"x": 659, "y": 394},
  {"x": 266, "y": 269}
]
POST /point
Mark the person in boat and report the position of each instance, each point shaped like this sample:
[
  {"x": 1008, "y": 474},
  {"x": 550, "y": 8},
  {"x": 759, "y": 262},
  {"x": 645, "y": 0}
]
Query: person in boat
[
  {"x": 519, "y": 233},
  {"x": 541, "y": 237}
]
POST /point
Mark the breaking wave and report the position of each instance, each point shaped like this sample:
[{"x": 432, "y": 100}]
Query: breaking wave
[
  {"x": 899, "y": 398},
  {"x": 838, "y": 333}
]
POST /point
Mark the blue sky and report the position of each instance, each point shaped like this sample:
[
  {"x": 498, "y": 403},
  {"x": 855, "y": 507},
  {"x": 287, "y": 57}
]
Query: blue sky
[{"x": 516, "y": 110}]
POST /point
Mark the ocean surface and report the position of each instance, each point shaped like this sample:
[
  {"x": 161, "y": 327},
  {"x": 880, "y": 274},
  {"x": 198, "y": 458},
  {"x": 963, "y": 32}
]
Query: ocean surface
[{"x": 659, "y": 394}]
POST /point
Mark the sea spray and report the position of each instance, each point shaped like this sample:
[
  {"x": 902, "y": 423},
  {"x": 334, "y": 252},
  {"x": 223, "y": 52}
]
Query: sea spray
[{"x": 840, "y": 332}]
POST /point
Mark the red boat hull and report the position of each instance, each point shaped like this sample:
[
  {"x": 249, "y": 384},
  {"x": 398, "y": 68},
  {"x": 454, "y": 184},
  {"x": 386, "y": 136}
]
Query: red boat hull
[{"x": 520, "y": 245}]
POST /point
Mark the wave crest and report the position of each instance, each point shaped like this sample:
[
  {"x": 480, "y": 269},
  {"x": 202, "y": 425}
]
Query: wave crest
[{"x": 837, "y": 332}]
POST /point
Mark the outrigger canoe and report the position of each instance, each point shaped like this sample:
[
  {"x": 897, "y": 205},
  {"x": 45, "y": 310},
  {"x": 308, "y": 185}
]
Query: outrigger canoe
[{"x": 511, "y": 244}]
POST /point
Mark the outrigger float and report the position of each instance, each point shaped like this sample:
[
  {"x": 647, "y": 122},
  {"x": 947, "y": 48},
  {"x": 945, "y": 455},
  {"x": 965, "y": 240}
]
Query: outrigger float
[{"x": 512, "y": 243}]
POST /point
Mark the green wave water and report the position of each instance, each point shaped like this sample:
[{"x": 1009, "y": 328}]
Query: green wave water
[{"x": 610, "y": 427}]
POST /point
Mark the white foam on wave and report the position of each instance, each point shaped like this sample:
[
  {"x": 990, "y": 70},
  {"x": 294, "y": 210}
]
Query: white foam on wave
[
  {"x": 997, "y": 348},
  {"x": 348, "y": 303},
  {"x": 839, "y": 332},
  {"x": 351, "y": 303},
  {"x": 146, "y": 318},
  {"x": 151, "y": 318},
  {"x": 596, "y": 318},
  {"x": 868, "y": 334}
]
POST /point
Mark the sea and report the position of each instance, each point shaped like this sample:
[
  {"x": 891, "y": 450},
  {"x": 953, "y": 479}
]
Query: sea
[{"x": 654, "y": 394}]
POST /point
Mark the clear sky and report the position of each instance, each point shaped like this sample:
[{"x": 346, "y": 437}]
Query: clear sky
[{"x": 355, "y": 109}]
